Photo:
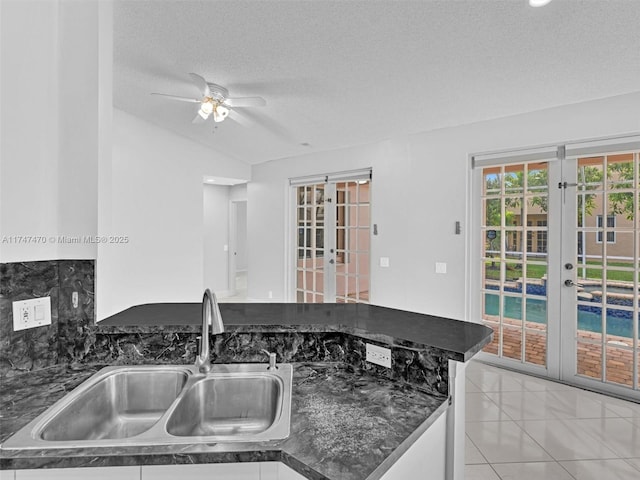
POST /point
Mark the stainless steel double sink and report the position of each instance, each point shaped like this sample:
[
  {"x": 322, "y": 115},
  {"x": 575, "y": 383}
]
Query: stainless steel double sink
[{"x": 166, "y": 404}]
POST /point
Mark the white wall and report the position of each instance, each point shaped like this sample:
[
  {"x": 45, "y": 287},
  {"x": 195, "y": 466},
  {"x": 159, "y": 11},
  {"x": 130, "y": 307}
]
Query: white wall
[
  {"x": 419, "y": 190},
  {"x": 157, "y": 202},
  {"x": 49, "y": 127},
  {"x": 216, "y": 236}
]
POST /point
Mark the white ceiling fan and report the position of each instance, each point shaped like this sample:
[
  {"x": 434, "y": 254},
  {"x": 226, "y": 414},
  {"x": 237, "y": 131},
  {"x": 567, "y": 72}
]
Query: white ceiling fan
[{"x": 215, "y": 101}]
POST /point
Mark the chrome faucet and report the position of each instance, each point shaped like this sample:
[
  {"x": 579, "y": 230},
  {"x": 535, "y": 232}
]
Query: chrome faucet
[{"x": 210, "y": 316}]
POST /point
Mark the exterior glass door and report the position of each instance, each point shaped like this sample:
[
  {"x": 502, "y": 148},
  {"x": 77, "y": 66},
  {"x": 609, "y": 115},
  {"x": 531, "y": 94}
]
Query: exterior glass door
[
  {"x": 333, "y": 241},
  {"x": 514, "y": 260},
  {"x": 603, "y": 292},
  {"x": 560, "y": 263}
]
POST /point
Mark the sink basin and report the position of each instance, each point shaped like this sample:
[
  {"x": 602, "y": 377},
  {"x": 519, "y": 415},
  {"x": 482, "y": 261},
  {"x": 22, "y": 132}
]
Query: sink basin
[
  {"x": 227, "y": 406},
  {"x": 122, "y": 404},
  {"x": 164, "y": 405}
]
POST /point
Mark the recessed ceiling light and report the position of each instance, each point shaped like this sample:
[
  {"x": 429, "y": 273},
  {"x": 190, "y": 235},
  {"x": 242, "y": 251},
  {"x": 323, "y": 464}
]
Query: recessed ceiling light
[{"x": 538, "y": 3}]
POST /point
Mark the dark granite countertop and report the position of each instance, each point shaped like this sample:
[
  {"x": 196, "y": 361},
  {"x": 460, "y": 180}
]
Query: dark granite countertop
[
  {"x": 460, "y": 340},
  {"x": 344, "y": 424}
]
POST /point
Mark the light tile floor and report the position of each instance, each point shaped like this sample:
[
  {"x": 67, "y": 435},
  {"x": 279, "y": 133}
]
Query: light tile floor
[{"x": 522, "y": 427}]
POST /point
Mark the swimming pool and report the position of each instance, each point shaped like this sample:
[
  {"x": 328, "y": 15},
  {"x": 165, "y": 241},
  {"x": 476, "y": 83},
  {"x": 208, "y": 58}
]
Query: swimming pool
[{"x": 619, "y": 322}]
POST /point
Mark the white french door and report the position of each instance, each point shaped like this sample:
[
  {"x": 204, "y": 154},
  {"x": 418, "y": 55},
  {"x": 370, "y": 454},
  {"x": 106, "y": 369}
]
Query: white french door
[
  {"x": 559, "y": 242},
  {"x": 600, "y": 280},
  {"x": 332, "y": 239}
]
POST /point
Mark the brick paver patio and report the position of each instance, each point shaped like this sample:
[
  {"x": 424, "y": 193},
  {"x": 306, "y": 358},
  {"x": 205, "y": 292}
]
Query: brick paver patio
[{"x": 619, "y": 361}]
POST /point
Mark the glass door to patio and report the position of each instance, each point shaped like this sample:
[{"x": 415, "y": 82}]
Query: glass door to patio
[
  {"x": 514, "y": 260},
  {"x": 560, "y": 262},
  {"x": 333, "y": 240},
  {"x": 600, "y": 281}
]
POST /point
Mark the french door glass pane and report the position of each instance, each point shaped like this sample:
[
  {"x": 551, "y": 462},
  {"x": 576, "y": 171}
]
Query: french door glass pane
[
  {"x": 514, "y": 260},
  {"x": 352, "y": 241},
  {"x": 607, "y": 226},
  {"x": 346, "y": 243},
  {"x": 310, "y": 242}
]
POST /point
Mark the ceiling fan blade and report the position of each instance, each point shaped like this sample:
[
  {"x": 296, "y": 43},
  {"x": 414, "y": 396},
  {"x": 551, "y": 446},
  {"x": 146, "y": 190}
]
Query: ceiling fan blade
[
  {"x": 176, "y": 97},
  {"x": 240, "y": 118},
  {"x": 246, "y": 102},
  {"x": 201, "y": 83}
]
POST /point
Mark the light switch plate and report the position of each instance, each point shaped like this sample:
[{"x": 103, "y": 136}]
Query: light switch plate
[
  {"x": 384, "y": 262},
  {"x": 31, "y": 313},
  {"x": 441, "y": 267}
]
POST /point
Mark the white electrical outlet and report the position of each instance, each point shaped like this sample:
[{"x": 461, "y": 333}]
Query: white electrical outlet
[
  {"x": 31, "y": 313},
  {"x": 379, "y": 355}
]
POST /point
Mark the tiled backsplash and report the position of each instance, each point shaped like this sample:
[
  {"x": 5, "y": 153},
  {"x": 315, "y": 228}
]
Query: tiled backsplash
[{"x": 69, "y": 337}]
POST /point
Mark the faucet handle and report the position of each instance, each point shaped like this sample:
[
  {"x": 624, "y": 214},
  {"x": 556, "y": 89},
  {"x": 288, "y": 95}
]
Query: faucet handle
[{"x": 272, "y": 359}]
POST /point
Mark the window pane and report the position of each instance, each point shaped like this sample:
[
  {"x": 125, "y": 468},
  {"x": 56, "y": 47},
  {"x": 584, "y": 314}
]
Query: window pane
[
  {"x": 492, "y": 181},
  {"x": 590, "y": 173},
  {"x": 512, "y": 343},
  {"x": 619, "y": 365},
  {"x": 537, "y": 178},
  {"x": 492, "y": 213},
  {"x": 492, "y": 243},
  {"x": 491, "y": 307},
  {"x": 535, "y": 347},
  {"x": 491, "y": 271},
  {"x": 620, "y": 171},
  {"x": 513, "y": 179}
]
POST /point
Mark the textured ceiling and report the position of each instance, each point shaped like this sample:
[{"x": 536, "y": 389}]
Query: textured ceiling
[{"x": 343, "y": 73}]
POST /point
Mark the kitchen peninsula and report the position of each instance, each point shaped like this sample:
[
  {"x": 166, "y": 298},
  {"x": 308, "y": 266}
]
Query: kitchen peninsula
[{"x": 351, "y": 419}]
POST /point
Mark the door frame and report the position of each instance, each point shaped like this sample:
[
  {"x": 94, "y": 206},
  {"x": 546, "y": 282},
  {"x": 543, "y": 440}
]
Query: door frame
[
  {"x": 561, "y": 345},
  {"x": 291, "y": 225}
]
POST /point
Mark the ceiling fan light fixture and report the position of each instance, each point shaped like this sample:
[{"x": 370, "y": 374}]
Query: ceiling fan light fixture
[
  {"x": 538, "y": 3},
  {"x": 220, "y": 112},
  {"x": 207, "y": 106}
]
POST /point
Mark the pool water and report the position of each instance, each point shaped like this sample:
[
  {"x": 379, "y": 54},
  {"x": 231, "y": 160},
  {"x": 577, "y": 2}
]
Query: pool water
[{"x": 537, "y": 312}]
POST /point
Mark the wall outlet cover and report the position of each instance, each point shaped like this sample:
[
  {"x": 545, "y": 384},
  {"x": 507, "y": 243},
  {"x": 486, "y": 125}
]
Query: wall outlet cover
[
  {"x": 31, "y": 313},
  {"x": 378, "y": 355}
]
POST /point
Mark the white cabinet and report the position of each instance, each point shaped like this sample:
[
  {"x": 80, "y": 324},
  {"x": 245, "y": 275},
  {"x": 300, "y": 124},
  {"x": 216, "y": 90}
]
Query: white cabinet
[
  {"x": 222, "y": 471},
  {"x": 278, "y": 471},
  {"x": 286, "y": 473},
  {"x": 426, "y": 458},
  {"x": 94, "y": 473},
  {"x": 211, "y": 471}
]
